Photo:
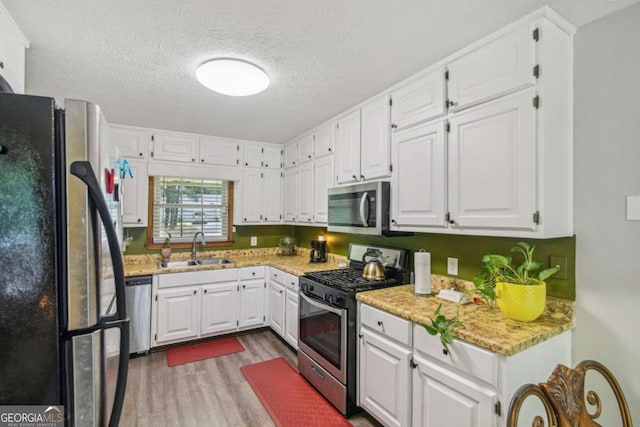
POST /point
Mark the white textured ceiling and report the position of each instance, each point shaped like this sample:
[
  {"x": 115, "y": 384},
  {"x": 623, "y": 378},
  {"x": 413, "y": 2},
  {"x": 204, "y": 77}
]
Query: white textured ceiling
[{"x": 137, "y": 58}]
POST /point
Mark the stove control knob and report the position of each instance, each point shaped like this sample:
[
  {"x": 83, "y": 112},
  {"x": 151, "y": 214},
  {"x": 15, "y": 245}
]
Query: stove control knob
[
  {"x": 329, "y": 299},
  {"x": 340, "y": 301}
]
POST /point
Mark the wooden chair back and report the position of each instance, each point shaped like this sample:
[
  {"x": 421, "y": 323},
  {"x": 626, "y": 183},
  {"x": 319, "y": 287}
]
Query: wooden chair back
[{"x": 563, "y": 398}]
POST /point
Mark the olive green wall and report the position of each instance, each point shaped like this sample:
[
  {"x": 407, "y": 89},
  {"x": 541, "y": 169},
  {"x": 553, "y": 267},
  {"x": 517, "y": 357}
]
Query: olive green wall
[
  {"x": 268, "y": 236},
  {"x": 468, "y": 249}
]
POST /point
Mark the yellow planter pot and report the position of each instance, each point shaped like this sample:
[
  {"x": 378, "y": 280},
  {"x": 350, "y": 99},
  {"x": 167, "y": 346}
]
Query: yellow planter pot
[{"x": 522, "y": 302}]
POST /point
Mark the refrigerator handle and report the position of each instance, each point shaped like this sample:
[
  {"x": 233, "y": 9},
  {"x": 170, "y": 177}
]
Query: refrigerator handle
[
  {"x": 123, "y": 370},
  {"x": 83, "y": 170}
]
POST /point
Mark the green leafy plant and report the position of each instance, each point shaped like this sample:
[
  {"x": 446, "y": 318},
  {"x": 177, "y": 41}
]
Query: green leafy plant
[
  {"x": 443, "y": 326},
  {"x": 167, "y": 240},
  {"x": 497, "y": 268}
]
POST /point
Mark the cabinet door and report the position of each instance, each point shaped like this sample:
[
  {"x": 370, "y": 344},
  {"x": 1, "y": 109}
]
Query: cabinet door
[
  {"x": 323, "y": 140},
  {"x": 443, "y": 398},
  {"x": 174, "y": 147},
  {"x": 347, "y": 138},
  {"x": 271, "y": 195},
  {"x": 375, "y": 151},
  {"x": 219, "y": 308},
  {"x": 251, "y": 195},
  {"x": 290, "y": 194},
  {"x": 219, "y": 152},
  {"x": 291, "y": 155},
  {"x": 418, "y": 185},
  {"x": 322, "y": 181},
  {"x": 131, "y": 143},
  {"x": 178, "y": 314},
  {"x": 305, "y": 149},
  {"x": 502, "y": 66},
  {"x": 385, "y": 380},
  {"x": 305, "y": 193},
  {"x": 272, "y": 157},
  {"x": 291, "y": 318},
  {"x": 252, "y": 155},
  {"x": 276, "y": 307},
  {"x": 418, "y": 101},
  {"x": 492, "y": 159},
  {"x": 252, "y": 303},
  {"x": 135, "y": 192}
]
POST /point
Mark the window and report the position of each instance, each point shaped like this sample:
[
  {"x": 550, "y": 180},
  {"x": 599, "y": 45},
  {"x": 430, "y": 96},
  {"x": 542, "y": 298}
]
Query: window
[{"x": 185, "y": 206}]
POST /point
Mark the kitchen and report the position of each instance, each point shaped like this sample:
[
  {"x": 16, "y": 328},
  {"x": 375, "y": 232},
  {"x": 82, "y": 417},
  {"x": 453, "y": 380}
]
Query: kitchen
[{"x": 603, "y": 250}]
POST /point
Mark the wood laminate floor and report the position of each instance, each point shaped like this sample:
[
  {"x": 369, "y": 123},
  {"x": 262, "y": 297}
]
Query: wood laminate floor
[{"x": 211, "y": 392}]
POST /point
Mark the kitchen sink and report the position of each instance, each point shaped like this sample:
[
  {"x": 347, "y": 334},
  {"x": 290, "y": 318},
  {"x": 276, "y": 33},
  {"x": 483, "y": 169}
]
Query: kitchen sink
[
  {"x": 192, "y": 263},
  {"x": 214, "y": 261}
]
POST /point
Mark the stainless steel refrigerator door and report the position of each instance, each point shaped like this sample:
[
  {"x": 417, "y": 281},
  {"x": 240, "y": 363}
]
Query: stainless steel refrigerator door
[{"x": 89, "y": 286}]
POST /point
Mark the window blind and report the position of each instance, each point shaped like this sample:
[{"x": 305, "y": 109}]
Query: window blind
[{"x": 184, "y": 206}]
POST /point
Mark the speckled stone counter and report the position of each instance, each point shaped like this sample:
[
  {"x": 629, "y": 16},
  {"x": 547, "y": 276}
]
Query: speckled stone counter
[
  {"x": 138, "y": 265},
  {"x": 486, "y": 328}
]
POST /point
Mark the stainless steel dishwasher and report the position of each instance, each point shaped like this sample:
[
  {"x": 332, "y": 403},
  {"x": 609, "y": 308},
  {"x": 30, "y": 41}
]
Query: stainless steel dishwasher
[{"x": 139, "y": 311}]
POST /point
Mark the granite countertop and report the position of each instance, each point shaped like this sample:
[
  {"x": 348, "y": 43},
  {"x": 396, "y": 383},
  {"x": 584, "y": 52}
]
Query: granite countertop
[
  {"x": 484, "y": 327},
  {"x": 139, "y": 265}
]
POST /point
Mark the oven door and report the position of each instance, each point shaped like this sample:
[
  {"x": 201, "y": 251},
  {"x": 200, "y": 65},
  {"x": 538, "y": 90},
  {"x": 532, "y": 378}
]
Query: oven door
[{"x": 323, "y": 335}]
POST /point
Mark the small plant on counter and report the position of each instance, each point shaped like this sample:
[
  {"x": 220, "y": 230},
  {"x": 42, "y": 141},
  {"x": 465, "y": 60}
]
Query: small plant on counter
[
  {"x": 497, "y": 269},
  {"x": 167, "y": 240}
]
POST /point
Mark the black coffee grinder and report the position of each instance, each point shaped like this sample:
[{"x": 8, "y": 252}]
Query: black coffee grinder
[{"x": 318, "y": 250}]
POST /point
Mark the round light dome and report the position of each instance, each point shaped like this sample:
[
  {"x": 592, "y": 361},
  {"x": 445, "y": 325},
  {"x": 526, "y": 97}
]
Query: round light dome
[{"x": 232, "y": 77}]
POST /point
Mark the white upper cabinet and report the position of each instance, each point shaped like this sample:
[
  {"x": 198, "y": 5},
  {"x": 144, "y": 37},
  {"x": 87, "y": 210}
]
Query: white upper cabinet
[
  {"x": 290, "y": 210},
  {"x": 375, "y": 149},
  {"x": 291, "y": 155},
  {"x": 173, "y": 146},
  {"x": 492, "y": 165},
  {"x": 219, "y": 151},
  {"x": 271, "y": 196},
  {"x": 252, "y": 155},
  {"x": 12, "y": 51},
  {"x": 418, "y": 100},
  {"x": 251, "y": 195},
  {"x": 419, "y": 182},
  {"x": 323, "y": 140},
  {"x": 347, "y": 139},
  {"x": 272, "y": 157},
  {"x": 305, "y": 149},
  {"x": 304, "y": 197},
  {"x": 135, "y": 193},
  {"x": 497, "y": 68},
  {"x": 322, "y": 181},
  {"x": 132, "y": 143}
]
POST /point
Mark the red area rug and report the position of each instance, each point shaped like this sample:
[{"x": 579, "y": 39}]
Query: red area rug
[
  {"x": 288, "y": 398},
  {"x": 205, "y": 350}
]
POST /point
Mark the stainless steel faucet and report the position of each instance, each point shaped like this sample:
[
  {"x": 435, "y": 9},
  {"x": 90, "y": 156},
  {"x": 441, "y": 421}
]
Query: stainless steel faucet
[{"x": 193, "y": 245}]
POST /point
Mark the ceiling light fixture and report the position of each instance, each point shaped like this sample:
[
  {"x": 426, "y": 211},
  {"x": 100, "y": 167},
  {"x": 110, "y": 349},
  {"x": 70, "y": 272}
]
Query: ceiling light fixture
[{"x": 232, "y": 77}]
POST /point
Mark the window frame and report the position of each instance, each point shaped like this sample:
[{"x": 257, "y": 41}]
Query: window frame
[{"x": 187, "y": 245}]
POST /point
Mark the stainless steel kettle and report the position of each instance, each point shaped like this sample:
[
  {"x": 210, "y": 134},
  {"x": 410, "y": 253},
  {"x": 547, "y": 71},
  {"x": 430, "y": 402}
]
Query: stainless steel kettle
[{"x": 373, "y": 269}]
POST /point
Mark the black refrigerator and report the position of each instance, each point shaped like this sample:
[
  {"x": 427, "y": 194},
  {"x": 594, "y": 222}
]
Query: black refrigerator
[{"x": 64, "y": 333}]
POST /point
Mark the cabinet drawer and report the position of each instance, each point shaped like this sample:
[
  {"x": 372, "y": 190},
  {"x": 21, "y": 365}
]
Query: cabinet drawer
[
  {"x": 291, "y": 282},
  {"x": 475, "y": 361},
  {"x": 278, "y": 276},
  {"x": 385, "y": 323},
  {"x": 251, "y": 273},
  {"x": 197, "y": 277}
]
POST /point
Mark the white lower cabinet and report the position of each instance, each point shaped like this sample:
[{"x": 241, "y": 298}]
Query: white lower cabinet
[
  {"x": 178, "y": 314},
  {"x": 442, "y": 398},
  {"x": 219, "y": 308},
  {"x": 199, "y": 304},
  {"x": 385, "y": 379},
  {"x": 406, "y": 378},
  {"x": 283, "y": 293}
]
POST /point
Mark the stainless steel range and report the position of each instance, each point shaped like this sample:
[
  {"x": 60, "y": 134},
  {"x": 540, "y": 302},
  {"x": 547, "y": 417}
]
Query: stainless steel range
[{"x": 327, "y": 320}]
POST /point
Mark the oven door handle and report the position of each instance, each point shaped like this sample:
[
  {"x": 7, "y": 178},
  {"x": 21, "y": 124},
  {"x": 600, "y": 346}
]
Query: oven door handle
[
  {"x": 364, "y": 216},
  {"x": 315, "y": 303}
]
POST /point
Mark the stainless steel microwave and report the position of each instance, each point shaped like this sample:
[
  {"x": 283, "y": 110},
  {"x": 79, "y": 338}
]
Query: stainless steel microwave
[{"x": 360, "y": 208}]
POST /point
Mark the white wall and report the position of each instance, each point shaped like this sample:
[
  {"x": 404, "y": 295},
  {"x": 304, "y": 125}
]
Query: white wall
[{"x": 607, "y": 168}]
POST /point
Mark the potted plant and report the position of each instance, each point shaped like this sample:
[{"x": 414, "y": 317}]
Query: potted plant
[
  {"x": 166, "y": 250},
  {"x": 519, "y": 291}
]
